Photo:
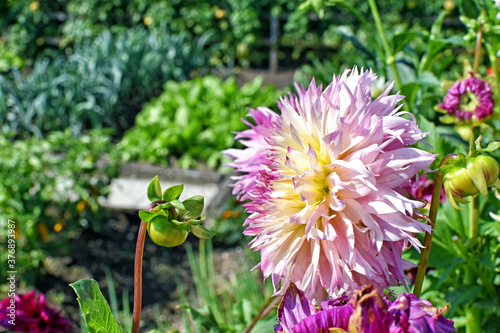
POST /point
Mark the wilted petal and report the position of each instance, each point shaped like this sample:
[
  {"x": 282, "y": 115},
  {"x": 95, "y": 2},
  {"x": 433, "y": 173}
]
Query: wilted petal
[{"x": 412, "y": 314}]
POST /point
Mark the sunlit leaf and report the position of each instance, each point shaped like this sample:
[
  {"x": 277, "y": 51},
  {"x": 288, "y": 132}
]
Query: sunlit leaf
[{"x": 95, "y": 310}]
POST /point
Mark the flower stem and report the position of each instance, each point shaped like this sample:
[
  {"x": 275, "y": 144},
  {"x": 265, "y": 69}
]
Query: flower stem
[
  {"x": 270, "y": 307},
  {"x": 477, "y": 51},
  {"x": 424, "y": 257},
  {"x": 435, "y": 201},
  {"x": 472, "y": 316},
  {"x": 136, "y": 315},
  {"x": 139, "y": 250},
  {"x": 389, "y": 57},
  {"x": 264, "y": 308},
  {"x": 492, "y": 54},
  {"x": 474, "y": 203},
  {"x": 473, "y": 215}
]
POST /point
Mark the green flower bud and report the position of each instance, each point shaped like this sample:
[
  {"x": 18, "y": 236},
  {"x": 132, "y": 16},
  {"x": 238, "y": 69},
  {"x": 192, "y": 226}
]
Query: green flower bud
[
  {"x": 165, "y": 233},
  {"x": 470, "y": 177}
]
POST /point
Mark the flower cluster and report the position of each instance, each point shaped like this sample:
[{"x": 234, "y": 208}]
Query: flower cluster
[
  {"x": 364, "y": 312},
  {"x": 469, "y": 99},
  {"x": 324, "y": 182},
  {"x": 32, "y": 314}
]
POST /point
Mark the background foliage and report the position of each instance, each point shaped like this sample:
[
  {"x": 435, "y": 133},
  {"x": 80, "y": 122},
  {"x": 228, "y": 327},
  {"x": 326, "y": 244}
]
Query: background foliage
[
  {"x": 75, "y": 65},
  {"x": 51, "y": 188},
  {"x": 104, "y": 83}
]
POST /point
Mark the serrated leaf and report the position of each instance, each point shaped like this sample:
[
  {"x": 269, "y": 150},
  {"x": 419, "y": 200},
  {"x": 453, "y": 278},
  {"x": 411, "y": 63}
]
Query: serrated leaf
[
  {"x": 146, "y": 215},
  {"x": 154, "y": 190},
  {"x": 95, "y": 310},
  {"x": 194, "y": 205},
  {"x": 202, "y": 232},
  {"x": 173, "y": 193},
  {"x": 177, "y": 204},
  {"x": 491, "y": 147}
]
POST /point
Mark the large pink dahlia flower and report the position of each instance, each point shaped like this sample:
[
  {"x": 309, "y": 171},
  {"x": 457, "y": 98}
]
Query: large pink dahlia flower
[{"x": 323, "y": 179}]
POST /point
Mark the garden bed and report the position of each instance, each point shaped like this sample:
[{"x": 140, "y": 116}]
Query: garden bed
[{"x": 110, "y": 251}]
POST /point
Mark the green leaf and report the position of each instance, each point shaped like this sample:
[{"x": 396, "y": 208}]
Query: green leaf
[
  {"x": 177, "y": 204},
  {"x": 196, "y": 221},
  {"x": 203, "y": 320},
  {"x": 491, "y": 147},
  {"x": 146, "y": 215},
  {"x": 352, "y": 9},
  {"x": 202, "y": 232},
  {"x": 410, "y": 90},
  {"x": 400, "y": 40},
  {"x": 173, "y": 193},
  {"x": 194, "y": 205},
  {"x": 181, "y": 225},
  {"x": 468, "y": 8},
  {"x": 95, "y": 309},
  {"x": 154, "y": 190}
]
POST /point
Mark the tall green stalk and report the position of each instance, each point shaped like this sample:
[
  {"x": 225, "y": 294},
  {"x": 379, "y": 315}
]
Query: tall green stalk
[{"x": 390, "y": 58}]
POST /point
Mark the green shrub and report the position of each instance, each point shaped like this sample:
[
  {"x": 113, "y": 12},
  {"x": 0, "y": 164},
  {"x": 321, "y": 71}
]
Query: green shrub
[
  {"x": 51, "y": 188},
  {"x": 30, "y": 27},
  {"x": 192, "y": 121},
  {"x": 239, "y": 29},
  {"x": 104, "y": 83}
]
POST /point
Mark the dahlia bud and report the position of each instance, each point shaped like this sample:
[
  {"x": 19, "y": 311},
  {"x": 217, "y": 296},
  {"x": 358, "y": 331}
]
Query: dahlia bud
[
  {"x": 470, "y": 177},
  {"x": 169, "y": 220},
  {"x": 164, "y": 233}
]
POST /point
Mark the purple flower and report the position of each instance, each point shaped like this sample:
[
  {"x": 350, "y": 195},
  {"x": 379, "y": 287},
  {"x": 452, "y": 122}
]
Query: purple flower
[
  {"x": 469, "y": 99},
  {"x": 364, "y": 312},
  {"x": 324, "y": 182},
  {"x": 414, "y": 315},
  {"x": 27, "y": 314}
]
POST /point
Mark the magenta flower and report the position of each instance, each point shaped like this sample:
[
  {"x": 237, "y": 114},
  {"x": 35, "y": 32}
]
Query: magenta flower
[
  {"x": 27, "y": 314},
  {"x": 422, "y": 188},
  {"x": 364, "y": 312},
  {"x": 469, "y": 99},
  {"x": 323, "y": 179}
]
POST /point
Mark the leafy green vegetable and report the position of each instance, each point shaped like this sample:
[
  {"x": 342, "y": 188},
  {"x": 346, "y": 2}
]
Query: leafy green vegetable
[{"x": 192, "y": 121}]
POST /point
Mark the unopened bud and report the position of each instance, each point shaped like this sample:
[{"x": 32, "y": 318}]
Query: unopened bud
[
  {"x": 165, "y": 233},
  {"x": 472, "y": 176}
]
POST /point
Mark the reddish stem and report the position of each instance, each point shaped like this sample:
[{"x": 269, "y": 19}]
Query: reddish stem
[
  {"x": 436, "y": 197},
  {"x": 136, "y": 316},
  {"x": 139, "y": 250},
  {"x": 260, "y": 314}
]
